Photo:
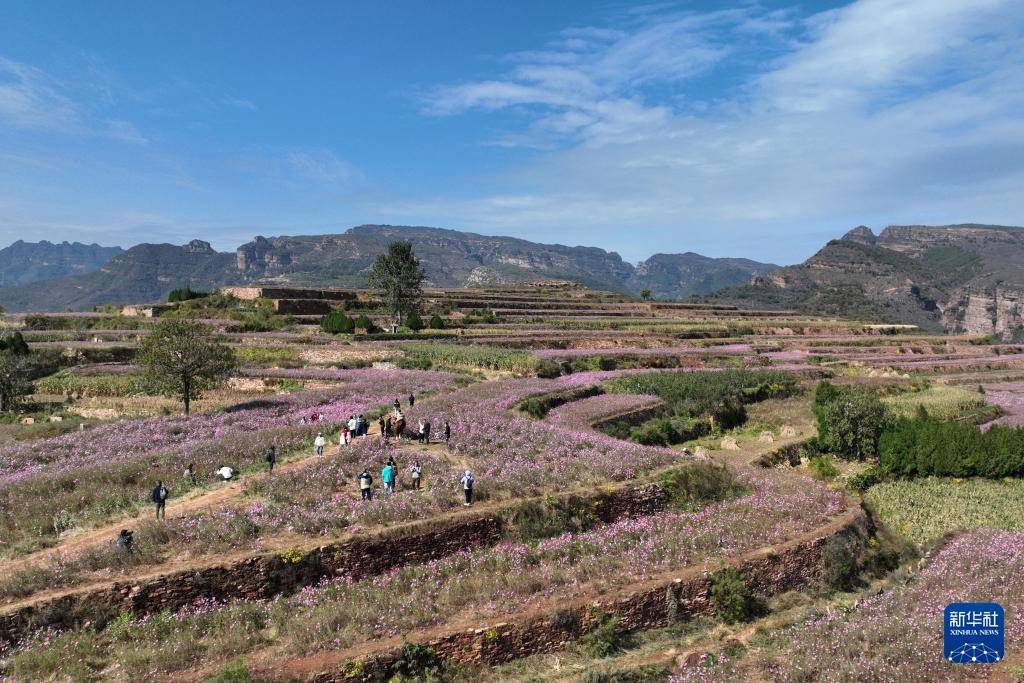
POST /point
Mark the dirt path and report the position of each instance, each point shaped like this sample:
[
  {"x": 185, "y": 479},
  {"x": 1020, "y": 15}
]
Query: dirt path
[{"x": 191, "y": 502}]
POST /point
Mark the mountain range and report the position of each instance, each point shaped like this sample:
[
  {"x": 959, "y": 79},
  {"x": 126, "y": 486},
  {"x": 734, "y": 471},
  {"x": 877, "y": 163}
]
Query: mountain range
[
  {"x": 966, "y": 277},
  {"x": 24, "y": 262},
  {"x": 147, "y": 272}
]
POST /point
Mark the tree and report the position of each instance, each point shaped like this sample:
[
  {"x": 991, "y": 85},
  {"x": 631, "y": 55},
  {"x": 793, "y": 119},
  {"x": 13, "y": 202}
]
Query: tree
[
  {"x": 15, "y": 373},
  {"x": 399, "y": 276},
  {"x": 414, "y": 321},
  {"x": 183, "y": 358},
  {"x": 645, "y": 294},
  {"x": 436, "y": 323},
  {"x": 851, "y": 423}
]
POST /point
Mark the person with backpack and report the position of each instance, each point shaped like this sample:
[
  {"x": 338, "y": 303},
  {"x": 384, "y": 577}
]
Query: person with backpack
[
  {"x": 467, "y": 487},
  {"x": 417, "y": 476},
  {"x": 271, "y": 458},
  {"x": 159, "y": 497},
  {"x": 365, "y": 485},
  {"x": 387, "y": 475},
  {"x": 319, "y": 443}
]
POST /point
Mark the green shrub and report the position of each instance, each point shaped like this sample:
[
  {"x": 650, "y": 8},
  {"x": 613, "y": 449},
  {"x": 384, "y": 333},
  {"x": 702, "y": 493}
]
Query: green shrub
[
  {"x": 693, "y": 486},
  {"x": 696, "y": 400},
  {"x": 417, "y": 662},
  {"x": 839, "y": 563},
  {"x": 867, "y": 478},
  {"x": 233, "y": 672},
  {"x": 436, "y": 323},
  {"x": 604, "y": 639},
  {"x": 414, "y": 321},
  {"x": 363, "y": 322},
  {"x": 930, "y": 447},
  {"x": 850, "y": 420},
  {"x": 336, "y": 322},
  {"x": 822, "y": 467},
  {"x": 185, "y": 294},
  {"x": 733, "y": 600}
]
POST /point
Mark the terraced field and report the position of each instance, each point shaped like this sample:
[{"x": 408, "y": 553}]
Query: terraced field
[{"x": 581, "y": 541}]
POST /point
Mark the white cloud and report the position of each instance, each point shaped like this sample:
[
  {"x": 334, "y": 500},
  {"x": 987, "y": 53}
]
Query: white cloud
[
  {"x": 30, "y": 98},
  {"x": 886, "y": 110}
]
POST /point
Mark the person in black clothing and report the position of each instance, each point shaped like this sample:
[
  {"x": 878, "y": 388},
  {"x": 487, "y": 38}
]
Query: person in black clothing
[
  {"x": 160, "y": 494},
  {"x": 398, "y": 405},
  {"x": 124, "y": 544},
  {"x": 447, "y": 432},
  {"x": 426, "y": 432},
  {"x": 412, "y": 400},
  {"x": 271, "y": 459},
  {"x": 381, "y": 424}
]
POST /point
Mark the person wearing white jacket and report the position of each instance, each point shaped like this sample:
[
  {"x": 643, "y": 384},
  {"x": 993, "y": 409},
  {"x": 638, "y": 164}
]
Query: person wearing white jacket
[{"x": 319, "y": 442}]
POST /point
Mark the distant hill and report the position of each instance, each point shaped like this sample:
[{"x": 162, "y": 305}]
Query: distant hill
[
  {"x": 674, "y": 276},
  {"x": 24, "y": 262},
  {"x": 144, "y": 273},
  {"x": 925, "y": 275},
  {"x": 451, "y": 258}
]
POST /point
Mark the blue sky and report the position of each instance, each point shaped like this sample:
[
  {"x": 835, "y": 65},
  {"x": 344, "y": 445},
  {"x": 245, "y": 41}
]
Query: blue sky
[{"x": 756, "y": 129}]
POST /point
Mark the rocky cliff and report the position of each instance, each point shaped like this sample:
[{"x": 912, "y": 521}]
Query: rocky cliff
[
  {"x": 451, "y": 258},
  {"x": 933, "y": 276}
]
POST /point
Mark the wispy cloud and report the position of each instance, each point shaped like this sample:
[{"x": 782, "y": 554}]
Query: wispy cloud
[
  {"x": 880, "y": 110},
  {"x": 31, "y": 98}
]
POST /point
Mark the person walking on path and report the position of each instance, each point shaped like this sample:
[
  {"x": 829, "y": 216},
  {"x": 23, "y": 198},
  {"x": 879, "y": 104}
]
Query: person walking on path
[
  {"x": 417, "y": 475},
  {"x": 159, "y": 497},
  {"x": 365, "y": 485},
  {"x": 398, "y": 405},
  {"x": 387, "y": 475},
  {"x": 412, "y": 400},
  {"x": 271, "y": 458},
  {"x": 419, "y": 432},
  {"x": 389, "y": 428},
  {"x": 426, "y": 432},
  {"x": 467, "y": 487},
  {"x": 381, "y": 424},
  {"x": 343, "y": 438},
  {"x": 447, "y": 432},
  {"x": 319, "y": 444}
]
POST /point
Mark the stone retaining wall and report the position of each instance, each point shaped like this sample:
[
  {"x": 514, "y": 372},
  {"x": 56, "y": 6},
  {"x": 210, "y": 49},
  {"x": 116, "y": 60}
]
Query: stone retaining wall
[
  {"x": 677, "y": 597},
  {"x": 264, "y": 576}
]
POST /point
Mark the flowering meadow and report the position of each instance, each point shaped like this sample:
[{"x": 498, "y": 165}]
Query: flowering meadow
[
  {"x": 49, "y": 485},
  {"x": 482, "y": 583},
  {"x": 893, "y": 636}
]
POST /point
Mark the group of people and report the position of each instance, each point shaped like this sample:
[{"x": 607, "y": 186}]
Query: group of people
[
  {"x": 389, "y": 478},
  {"x": 356, "y": 426}
]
